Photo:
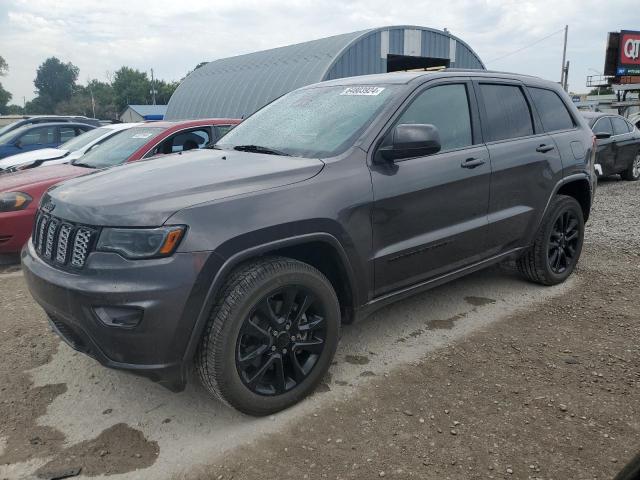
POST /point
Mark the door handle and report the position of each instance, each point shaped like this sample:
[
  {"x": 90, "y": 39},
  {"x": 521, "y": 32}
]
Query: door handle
[
  {"x": 472, "y": 162},
  {"x": 545, "y": 148}
]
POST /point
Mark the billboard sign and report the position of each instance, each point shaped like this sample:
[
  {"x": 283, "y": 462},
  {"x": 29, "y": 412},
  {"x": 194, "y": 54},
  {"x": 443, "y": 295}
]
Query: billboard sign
[{"x": 628, "y": 53}]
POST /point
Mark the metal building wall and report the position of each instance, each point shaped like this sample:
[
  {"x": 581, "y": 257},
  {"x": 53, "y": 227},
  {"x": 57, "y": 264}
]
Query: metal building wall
[{"x": 238, "y": 86}]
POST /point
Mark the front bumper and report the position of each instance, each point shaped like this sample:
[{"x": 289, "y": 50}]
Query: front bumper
[
  {"x": 161, "y": 289},
  {"x": 15, "y": 229}
]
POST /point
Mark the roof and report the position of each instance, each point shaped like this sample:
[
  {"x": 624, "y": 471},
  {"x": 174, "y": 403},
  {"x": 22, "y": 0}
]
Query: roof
[
  {"x": 149, "y": 110},
  {"x": 238, "y": 86}
]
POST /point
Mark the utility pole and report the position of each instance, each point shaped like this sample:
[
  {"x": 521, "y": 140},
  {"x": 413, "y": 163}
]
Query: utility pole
[
  {"x": 563, "y": 80},
  {"x": 153, "y": 88},
  {"x": 566, "y": 78}
]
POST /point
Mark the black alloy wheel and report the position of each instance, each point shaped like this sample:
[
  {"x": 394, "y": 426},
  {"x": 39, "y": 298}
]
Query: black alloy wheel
[
  {"x": 563, "y": 242},
  {"x": 280, "y": 341}
]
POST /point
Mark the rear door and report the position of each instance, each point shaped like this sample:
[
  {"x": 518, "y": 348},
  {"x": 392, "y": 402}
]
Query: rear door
[
  {"x": 559, "y": 122},
  {"x": 625, "y": 144},
  {"x": 430, "y": 213},
  {"x": 606, "y": 155},
  {"x": 525, "y": 163}
]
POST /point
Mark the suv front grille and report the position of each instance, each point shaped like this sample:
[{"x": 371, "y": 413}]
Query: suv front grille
[{"x": 62, "y": 243}]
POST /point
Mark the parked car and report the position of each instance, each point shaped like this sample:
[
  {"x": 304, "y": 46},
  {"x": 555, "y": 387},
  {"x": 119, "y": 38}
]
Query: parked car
[
  {"x": 332, "y": 201},
  {"x": 37, "y": 119},
  {"x": 65, "y": 153},
  {"x": 20, "y": 192},
  {"x": 618, "y": 145},
  {"x": 37, "y": 137}
]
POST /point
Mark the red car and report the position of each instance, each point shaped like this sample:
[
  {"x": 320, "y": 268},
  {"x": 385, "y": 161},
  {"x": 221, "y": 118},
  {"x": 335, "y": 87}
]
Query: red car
[{"x": 20, "y": 192}]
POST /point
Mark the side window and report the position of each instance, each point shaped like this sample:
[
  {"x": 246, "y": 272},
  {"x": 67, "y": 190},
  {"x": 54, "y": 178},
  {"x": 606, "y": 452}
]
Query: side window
[
  {"x": 183, "y": 141},
  {"x": 552, "y": 110},
  {"x": 447, "y": 108},
  {"x": 603, "y": 125},
  {"x": 67, "y": 133},
  {"x": 38, "y": 136},
  {"x": 508, "y": 113},
  {"x": 619, "y": 126}
]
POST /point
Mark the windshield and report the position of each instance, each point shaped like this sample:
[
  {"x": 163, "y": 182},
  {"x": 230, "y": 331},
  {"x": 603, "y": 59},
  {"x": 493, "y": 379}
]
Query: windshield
[
  {"x": 315, "y": 123},
  {"x": 7, "y": 128},
  {"x": 84, "y": 139},
  {"x": 9, "y": 136},
  {"x": 119, "y": 148}
]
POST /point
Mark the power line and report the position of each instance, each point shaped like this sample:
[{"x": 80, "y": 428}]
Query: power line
[{"x": 526, "y": 46}]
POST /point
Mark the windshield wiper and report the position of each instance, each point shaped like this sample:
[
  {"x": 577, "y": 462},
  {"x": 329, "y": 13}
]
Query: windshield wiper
[
  {"x": 259, "y": 149},
  {"x": 83, "y": 165}
]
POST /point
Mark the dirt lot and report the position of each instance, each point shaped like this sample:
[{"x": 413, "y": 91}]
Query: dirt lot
[{"x": 489, "y": 377}]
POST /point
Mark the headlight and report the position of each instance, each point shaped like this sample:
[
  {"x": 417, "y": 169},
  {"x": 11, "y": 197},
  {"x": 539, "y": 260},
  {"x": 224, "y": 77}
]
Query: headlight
[
  {"x": 12, "y": 201},
  {"x": 137, "y": 243}
]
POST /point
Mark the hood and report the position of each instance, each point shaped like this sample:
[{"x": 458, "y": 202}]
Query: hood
[
  {"x": 24, "y": 179},
  {"x": 28, "y": 157},
  {"x": 147, "y": 193}
]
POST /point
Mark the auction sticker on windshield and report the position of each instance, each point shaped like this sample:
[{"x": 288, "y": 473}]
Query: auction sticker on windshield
[
  {"x": 142, "y": 135},
  {"x": 362, "y": 91}
]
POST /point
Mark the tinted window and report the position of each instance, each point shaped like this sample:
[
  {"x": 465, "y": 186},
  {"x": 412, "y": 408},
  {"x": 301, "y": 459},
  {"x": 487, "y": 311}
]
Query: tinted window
[
  {"x": 552, "y": 110},
  {"x": 38, "y": 136},
  {"x": 603, "y": 125},
  {"x": 507, "y": 110},
  {"x": 183, "y": 141},
  {"x": 316, "y": 122},
  {"x": 620, "y": 127},
  {"x": 67, "y": 133},
  {"x": 446, "y": 107},
  {"x": 222, "y": 130}
]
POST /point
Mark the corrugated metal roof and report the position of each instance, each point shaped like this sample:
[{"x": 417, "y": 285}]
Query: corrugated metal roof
[
  {"x": 145, "y": 110},
  {"x": 236, "y": 87}
]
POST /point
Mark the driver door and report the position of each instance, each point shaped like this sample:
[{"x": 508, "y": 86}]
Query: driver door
[{"x": 430, "y": 213}]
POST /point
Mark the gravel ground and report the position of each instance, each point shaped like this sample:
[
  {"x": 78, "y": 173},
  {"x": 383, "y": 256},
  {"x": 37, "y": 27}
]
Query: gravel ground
[{"x": 488, "y": 377}]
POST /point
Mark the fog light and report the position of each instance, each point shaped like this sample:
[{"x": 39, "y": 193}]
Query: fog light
[{"x": 123, "y": 317}]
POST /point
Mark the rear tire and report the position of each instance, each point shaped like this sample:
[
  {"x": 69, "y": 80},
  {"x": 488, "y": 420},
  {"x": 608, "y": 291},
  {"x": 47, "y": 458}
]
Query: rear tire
[
  {"x": 632, "y": 173},
  {"x": 557, "y": 245},
  {"x": 277, "y": 319}
]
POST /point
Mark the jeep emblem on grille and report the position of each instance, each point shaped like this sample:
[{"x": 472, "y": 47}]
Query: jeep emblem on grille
[{"x": 48, "y": 207}]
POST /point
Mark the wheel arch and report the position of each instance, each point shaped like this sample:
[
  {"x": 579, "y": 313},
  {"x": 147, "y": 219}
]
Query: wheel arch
[
  {"x": 580, "y": 189},
  {"x": 321, "y": 250}
]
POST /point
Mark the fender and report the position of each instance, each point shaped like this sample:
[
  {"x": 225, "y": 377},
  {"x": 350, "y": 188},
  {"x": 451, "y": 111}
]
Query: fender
[
  {"x": 560, "y": 184},
  {"x": 219, "y": 268}
]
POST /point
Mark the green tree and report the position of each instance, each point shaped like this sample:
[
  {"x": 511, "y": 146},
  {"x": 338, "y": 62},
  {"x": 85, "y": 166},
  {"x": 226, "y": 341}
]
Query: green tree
[
  {"x": 164, "y": 91},
  {"x": 55, "y": 82},
  {"x": 130, "y": 87},
  {"x": 602, "y": 90},
  {"x": 14, "y": 109},
  {"x": 5, "y": 96}
]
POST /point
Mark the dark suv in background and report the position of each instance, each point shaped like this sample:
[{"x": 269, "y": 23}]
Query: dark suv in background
[{"x": 327, "y": 204}]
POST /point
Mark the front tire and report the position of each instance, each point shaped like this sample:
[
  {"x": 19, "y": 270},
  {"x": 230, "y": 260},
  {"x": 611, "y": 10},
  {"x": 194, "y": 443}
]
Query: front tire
[
  {"x": 633, "y": 172},
  {"x": 271, "y": 336},
  {"x": 557, "y": 245}
]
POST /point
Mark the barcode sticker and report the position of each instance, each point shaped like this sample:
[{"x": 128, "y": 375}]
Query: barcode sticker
[{"x": 362, "y": 91}]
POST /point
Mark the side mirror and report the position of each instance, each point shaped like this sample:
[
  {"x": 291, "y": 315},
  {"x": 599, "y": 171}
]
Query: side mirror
[
  {"x": 602, "y": 135},
  {"x": 18, "y": 144},
  {"x": 412, "y": 140}
]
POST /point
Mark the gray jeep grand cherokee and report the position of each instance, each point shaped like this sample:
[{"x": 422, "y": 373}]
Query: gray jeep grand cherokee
[{"x": 330, "y": 202}]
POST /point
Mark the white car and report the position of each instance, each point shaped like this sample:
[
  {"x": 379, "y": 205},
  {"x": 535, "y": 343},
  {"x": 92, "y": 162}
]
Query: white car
[{"x": 65, "y": 153}]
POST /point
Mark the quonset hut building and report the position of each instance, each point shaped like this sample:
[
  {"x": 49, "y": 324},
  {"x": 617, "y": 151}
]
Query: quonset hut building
[{"x": 236, "y": 87}]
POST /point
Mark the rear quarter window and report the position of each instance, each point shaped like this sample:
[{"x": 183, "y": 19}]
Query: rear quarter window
[
  {"x": 553, "y": 112},
  {"x": 620, "y": 126}
]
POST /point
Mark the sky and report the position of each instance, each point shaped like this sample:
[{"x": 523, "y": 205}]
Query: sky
[{"x": 172, "y": 36}]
